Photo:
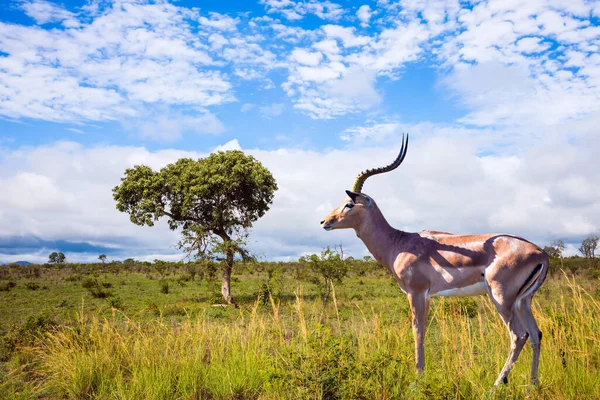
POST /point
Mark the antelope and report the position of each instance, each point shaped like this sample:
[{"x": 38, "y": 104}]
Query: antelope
[{"x": 507, "y": 268}]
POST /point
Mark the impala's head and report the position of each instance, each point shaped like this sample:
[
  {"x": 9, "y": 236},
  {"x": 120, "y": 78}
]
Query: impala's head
[{"x": 358, "y": 205}]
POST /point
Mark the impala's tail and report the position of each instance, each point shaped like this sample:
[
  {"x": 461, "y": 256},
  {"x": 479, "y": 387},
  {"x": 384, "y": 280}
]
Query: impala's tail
[{"x": 534, "y": 280}]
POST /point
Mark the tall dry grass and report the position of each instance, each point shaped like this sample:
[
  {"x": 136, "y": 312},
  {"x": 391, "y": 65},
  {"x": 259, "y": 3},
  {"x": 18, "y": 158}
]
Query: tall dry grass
[{"x": 310, "y": 353}]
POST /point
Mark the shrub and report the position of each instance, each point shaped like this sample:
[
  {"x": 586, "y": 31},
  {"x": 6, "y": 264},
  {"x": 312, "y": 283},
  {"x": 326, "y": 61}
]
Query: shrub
[
  {"x": 183, "y": 279},
  {"x": 96, "y": 289},
  {"x": 164, "y": 287},
  {"x": 174, "y": 310},
  {"x": 6, "y": 286},
  {"x": 89, "y": 283},
  {"x": 32, "y": 286},
  {"x": 73, "y": 278},
  {"x": 328, "y": 267},
  {"x": 263, "y": 294},
  {"x": 25, "y": 335},
  {"x": 98, "y": 292},
  {"x": 116, "y": 302}
]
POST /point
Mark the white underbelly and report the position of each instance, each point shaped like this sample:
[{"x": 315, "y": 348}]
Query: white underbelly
[{"x": 471, "y": 290}]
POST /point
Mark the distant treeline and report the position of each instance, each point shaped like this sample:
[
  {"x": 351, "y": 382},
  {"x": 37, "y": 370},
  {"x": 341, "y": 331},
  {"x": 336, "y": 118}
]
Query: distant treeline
[{"x": 207, "y": 269}]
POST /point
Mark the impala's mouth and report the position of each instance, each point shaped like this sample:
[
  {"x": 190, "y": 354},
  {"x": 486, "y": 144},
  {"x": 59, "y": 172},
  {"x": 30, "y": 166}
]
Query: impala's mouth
[{"x": 325, "y": 226}]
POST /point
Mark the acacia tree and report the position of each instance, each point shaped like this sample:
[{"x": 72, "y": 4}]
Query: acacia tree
[
  {"x": 102, "y": 257},
  {"x": 588, "y": 247},
  {"x": 558, "y": 246},
  {"x": 57, "y": 258},
  {"x": 214, "y": 200}
]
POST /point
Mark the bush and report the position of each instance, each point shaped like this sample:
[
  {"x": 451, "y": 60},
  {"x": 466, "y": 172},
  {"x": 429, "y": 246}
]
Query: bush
[
  {"x": 25, "y": 335},
  {"x": 96, "y": 289},
  {"x": 174, "y": 310},
  {"x": 328, "y": 267},
  {"x": 89, "y": 283},
  {"x": 183, "y": 279},
  {"x": 164, "y": 287},
  {"x": 32, "y": 286},
  {"x": 116, "y": 302},
  {"x": 73, "y": 278},
  {"x": 98, "y": 292},
  {"x": 6, "y": 286}
]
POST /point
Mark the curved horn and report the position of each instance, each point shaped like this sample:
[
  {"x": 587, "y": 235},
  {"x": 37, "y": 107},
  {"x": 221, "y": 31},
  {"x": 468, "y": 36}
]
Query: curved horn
[{"x": 362, "y": 177}]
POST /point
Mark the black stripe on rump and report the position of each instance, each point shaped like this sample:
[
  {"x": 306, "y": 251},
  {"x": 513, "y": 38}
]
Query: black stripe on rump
[{"x": 531, "y": 278}]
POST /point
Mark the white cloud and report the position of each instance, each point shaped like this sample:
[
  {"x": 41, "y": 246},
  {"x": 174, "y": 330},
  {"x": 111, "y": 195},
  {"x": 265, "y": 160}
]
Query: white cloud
[
  {"x": 109, "y": 61},
  {"x": 325, "y": 9},
  {"x": 44, "y": 12},
  {"x": 329, "y": 47},
  {"x": 112, "y": 63},
  {"x": 294, "y": 11},
  {"x": 355, "y": 89},
  {"x": 364, "y": 14},
  {"x": 272, "y": 110},
  {"x": 531, "y": 45},
  {"x": 533, "y": 39},
  {"x": 306, "y": 57},
  {"x": 509, "y": 95},
  {"x": 231, "y": 145},
  {"x": 219, "y": 21},
  {"x": 345, "y": 35},
  {"x": 332, "y": 90},
  {"x": 247, "y": 107},
  {"x": 372, "y": 134},
  {"x": 170, "y": 125}
]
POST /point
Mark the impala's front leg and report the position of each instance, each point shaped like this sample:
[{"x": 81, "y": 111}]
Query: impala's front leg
[{"x": 419, "y": 307}]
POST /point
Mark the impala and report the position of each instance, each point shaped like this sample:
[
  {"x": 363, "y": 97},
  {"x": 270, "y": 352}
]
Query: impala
[{"x": 507, "y": 268}]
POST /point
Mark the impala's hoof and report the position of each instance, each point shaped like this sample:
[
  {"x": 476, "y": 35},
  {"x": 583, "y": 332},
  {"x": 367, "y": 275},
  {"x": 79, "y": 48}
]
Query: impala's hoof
[
  {"x": 535, "y": 382},
  {"x": 503, "y": 380}
]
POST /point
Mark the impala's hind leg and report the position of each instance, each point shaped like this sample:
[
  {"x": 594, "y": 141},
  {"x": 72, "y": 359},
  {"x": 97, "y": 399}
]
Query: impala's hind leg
[
  {"x": 516, "y": 329},
  {"x": 518, "y": 337},
  {"x": 535, "y": 335}
]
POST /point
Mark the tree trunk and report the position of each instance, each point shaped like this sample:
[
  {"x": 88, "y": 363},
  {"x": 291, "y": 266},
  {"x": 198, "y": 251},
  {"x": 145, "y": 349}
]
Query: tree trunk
[{"x": 226, "y": 280}]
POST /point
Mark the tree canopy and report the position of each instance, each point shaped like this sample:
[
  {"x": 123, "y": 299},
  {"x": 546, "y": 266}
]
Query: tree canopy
[
  {"x": 56, "y": 258},
  {"x": 219, "y": 196}
]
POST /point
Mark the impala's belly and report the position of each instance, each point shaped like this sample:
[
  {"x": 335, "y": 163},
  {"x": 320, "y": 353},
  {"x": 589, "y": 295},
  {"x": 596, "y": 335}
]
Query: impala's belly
[
  {"x": 471, "y": 290},
  {"x": 457, "y": 281}
]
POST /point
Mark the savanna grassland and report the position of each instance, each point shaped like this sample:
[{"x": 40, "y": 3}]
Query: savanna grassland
[{"x": 153, "y": 331}]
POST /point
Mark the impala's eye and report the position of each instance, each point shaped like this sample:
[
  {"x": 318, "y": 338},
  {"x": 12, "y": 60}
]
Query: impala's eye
[{"x": 349, "y": 205}]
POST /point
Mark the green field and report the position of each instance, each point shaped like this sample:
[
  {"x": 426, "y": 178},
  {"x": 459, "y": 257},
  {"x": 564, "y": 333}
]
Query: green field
[{"x": 151, "y": 332}]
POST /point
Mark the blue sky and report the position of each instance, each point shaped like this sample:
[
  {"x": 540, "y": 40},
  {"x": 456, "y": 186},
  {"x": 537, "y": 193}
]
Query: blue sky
[{"x": 502, "y": 99}]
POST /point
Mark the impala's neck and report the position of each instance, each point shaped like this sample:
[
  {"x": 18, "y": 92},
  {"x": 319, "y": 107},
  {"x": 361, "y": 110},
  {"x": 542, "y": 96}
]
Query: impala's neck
[{"x": 379, "y": 237}]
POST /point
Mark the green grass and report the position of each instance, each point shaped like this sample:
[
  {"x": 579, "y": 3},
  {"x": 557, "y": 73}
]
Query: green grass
[{"x": 176, "y": 345}]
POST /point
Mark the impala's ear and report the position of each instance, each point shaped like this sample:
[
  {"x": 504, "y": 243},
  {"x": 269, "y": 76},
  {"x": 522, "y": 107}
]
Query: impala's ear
[{"x": 359, "y": 198}]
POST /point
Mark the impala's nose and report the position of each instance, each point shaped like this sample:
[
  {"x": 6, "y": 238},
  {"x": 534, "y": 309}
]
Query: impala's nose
[{"x": 322, "y": 222}]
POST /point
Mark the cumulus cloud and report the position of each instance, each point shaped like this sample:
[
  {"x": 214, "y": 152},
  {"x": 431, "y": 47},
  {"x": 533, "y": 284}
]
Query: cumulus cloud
[
  {"x": 165, "y": 53},
  {"x": 364, "y": 14},
  {"x": 219, "y": 21},
  {"x": 112, "y": 62},
  {"x": 44, "y": 12},
  {"x": 294, "y": 11},
  {"x": 306, "y": 57}
]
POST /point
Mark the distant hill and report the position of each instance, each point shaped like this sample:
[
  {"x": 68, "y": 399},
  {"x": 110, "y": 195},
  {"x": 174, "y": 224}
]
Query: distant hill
[{"x": 17, "y": 262}]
